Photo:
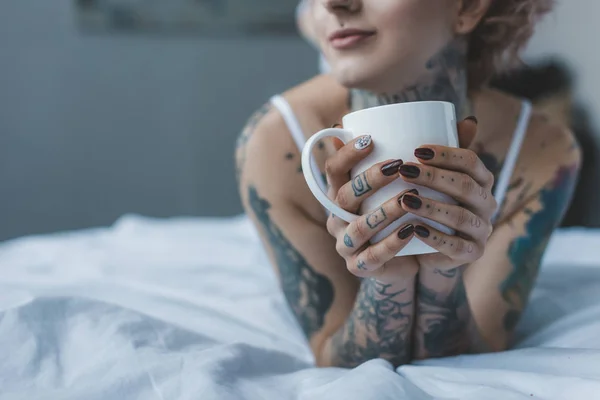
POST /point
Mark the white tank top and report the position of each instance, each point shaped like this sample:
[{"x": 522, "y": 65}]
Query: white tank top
[{"x": 503, "y": 179}]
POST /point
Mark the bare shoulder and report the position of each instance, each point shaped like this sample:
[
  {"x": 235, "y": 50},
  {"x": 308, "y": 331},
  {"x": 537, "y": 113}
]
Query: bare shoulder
[
  {"x": 549, "y": 153},
  {"x": 266, "y": 154}
]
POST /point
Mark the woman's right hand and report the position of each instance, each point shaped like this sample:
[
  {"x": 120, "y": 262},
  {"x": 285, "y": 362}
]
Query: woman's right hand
[{"x": 362, "y": 258}]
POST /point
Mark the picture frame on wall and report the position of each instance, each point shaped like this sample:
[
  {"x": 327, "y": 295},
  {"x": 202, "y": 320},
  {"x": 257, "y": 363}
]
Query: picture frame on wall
[{"x": 186, "y": 16}]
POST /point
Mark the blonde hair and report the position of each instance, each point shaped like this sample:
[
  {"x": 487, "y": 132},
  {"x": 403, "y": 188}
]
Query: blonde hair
[{"x": 495, "y": 44}]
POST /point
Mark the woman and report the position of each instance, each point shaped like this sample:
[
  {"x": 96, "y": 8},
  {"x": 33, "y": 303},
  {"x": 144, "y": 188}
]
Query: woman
[{"x": 357, "y": 301}]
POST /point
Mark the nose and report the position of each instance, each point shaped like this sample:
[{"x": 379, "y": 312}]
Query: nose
[{"x": 343, "y": 6}]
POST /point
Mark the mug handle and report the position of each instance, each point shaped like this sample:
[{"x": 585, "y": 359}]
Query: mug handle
[{"x": 307, "y": 154}]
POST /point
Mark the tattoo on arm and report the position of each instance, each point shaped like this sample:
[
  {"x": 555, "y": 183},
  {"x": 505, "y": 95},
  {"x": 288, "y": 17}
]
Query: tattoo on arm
[
  {"x": 443, "y": 316},
  {"x": 246, "y": 135},
  {"x": 360, "y": 185},
  {"x": 309, "y": 293},
  {"x": 526, "y": 252},
  {"x": 379, "y": 327}
]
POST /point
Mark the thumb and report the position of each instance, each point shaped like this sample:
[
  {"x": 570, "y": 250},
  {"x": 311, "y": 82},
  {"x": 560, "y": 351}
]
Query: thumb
[{"x": 467, "y": 130}]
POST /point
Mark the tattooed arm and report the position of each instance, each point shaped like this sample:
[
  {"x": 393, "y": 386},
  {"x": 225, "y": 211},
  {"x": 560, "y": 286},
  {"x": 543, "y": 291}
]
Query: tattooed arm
[
  {"x": 317, "y": 286},
  {"x": 476, "y": 308},
  {"x": 346, "y": 322}
]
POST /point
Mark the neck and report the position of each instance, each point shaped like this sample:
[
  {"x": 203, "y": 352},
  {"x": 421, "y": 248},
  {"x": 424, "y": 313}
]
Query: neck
[{"x": 445, "y": 79}]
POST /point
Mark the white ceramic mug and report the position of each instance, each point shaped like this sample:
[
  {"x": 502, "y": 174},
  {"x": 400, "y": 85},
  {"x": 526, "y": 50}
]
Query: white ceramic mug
[{"x": 397, "y": 130}]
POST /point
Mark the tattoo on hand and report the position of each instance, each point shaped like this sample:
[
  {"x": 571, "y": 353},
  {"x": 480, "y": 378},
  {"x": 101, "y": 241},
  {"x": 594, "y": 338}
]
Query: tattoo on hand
[
  {"x": 348, "y": 241},
  {"x": 360, "y": 186},
  {"x": 309, "y": 293},
  {"x": 376, "y": 218},
  {"x": 379, "y": 326},
  {"x": 361, "y": 265}
]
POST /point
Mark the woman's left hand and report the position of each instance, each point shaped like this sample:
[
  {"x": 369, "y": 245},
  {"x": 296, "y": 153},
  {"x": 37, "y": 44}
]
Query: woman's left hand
[{"x": 460, "y": 174}]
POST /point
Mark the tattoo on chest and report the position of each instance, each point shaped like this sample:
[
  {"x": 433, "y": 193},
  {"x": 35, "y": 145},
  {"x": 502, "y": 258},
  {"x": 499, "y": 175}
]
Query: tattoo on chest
[
  {"x": 309, "y": 293},
  {"x": 443, "y": 317},
  {"x": 379, "y": 327},
  {"x": 526, "y": 252}
]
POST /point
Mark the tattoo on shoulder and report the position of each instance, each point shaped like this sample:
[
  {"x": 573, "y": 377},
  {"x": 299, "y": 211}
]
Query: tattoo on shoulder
[
  {"x": 526, "y": 252},
  {"x": 379, "y": 326},
  {"x": 246, "y": 134},
  {"x": 309, "y": 293},
  {"x": 360, "y": 185}
]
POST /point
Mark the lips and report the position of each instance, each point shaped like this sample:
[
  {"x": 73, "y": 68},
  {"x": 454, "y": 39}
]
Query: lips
[{"x": 347, "y": 38}]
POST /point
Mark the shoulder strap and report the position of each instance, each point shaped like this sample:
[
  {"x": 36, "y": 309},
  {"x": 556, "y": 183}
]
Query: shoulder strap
[
  {"x": 295, "y": 129},
  {"x": 513, "y": 154}
]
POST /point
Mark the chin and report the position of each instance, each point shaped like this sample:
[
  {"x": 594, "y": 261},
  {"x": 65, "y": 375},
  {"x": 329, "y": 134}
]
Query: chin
[{"x": 360, "y": 75}]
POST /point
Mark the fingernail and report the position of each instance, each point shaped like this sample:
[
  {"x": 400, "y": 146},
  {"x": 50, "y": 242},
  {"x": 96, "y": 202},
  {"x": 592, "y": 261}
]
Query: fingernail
[
  {"x": 363, "y": 142},
  {"x": 413, "y": 191},
  {"x": 391, "y": 168},
  {"x": 406, "y": 232},
  {"x": 472, "y": 118},
  {"x": 336, "y": 125},
  {"x": 410, "y": 171},
  {"x": 422, "y": 231},
  {"x": 424, "y": 153},
  {"x": 412, "y": 202}
]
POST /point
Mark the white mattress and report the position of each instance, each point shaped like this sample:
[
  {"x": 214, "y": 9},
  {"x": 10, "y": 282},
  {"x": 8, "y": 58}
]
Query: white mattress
[{"x": 190, "y": 309}]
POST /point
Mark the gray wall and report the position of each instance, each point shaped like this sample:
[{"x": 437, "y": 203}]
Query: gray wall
[{"x": 92, "y": 127}]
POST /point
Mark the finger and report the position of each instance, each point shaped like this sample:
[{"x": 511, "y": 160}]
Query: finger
[
  {"x": 360, "y": 231},
  {"x": 461, "y": 187},
  {"x": 335, "y": 225},
  {"x": 467, "y": 130},
  {"x": 454, "y": 217},
  {"x": 352, "y": 194},
  {"x": 455, "y": 247},
  {"x": 368, "y": 263},
  {"x": 453, "y": 159},
  {"x": 339, "y": 165}
]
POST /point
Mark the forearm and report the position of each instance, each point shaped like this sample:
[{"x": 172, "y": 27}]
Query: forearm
[
  {"x": 444, "y": 325},
  {"x": 380, "y": 326}
]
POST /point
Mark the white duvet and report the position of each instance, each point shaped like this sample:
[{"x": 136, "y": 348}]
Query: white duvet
[{"x": 190, "y": 309}]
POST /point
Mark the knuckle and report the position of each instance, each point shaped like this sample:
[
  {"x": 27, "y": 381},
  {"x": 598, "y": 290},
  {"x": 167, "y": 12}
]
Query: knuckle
[
  {"x": 371, "y": 257},
  {"x": 461, "y": 217},
  {"x": 389, "y": 247},
  {"x": 360, "y": 229},
  {"x": 330, "y": 167},
  {"x": 340, "y": 247},
  {"x": 467, "y": 185},
  {"x": 342, "y": 198},
  {"x": 459, "y": 247},
  {"x": 490, "y": 178},
  {"x": 471, "y": 159},
  {"x": 331, "y": 226}
]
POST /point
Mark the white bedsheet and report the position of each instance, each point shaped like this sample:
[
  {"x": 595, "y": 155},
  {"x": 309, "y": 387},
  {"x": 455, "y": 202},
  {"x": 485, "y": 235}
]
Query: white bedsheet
[{"x": 189, "y": 309}]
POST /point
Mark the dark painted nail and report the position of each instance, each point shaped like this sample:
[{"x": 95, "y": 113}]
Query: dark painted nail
[
  {"x": 413, "y": 191},
  {"x": 412, "y": 202},
  {"x": 391, "y": 168},
  {"x": 422, "y": 231},
  {"x": 472, "y": 118},
  {"x": 410, "y": 171},
  {"x": 406, "y": 232},
  {"x": 424, "y": 154}
]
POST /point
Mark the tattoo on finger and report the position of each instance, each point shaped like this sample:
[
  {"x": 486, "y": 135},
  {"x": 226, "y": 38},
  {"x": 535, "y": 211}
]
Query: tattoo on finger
[
  {"x": 360, "y": 185},
  {"x": 361, "y": 265},
  {"x": 376, "y": 218},
  {"x": 348, "y": 241}
]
